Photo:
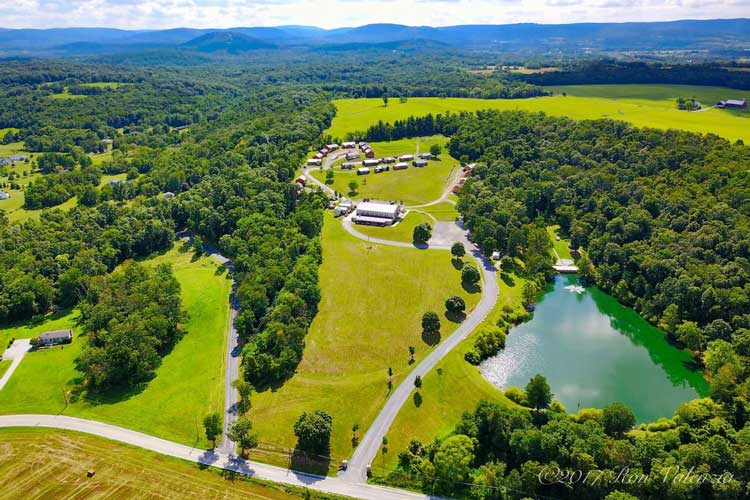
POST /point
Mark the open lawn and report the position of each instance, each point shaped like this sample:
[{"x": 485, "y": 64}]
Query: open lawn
[
  {"x": 403, "y": 231},
  {"x": 453, "y": 387},
  {"x": 412, "y": 186},
  {"x": 46, "y": 463},
  {"x": 562, "y": 247},
  {"x": 5, "y": 363},
  {"x": 10, "y": 149},
  {"x": 373, "y": 298},
  {"x": 641, "y": 105},
  {"x": 442, "y": 211},
  {"x": 187, "y": 386}
]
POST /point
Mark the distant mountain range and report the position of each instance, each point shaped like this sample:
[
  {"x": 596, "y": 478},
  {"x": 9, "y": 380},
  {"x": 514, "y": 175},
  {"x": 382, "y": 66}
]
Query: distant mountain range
[{"x": 708, "y": 35}]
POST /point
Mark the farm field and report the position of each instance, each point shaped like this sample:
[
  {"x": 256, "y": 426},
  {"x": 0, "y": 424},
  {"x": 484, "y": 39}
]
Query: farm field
[
  {"x": 641, "y": 105},
  {"x": 45, "y": 463},
  {"x": 412, "y": 186},
  {"x": 373, "y": 298},
  {"x": 403, "y": 231},
  {"x": 187, "y": 385},
  {"x": 453, "y": 387}
]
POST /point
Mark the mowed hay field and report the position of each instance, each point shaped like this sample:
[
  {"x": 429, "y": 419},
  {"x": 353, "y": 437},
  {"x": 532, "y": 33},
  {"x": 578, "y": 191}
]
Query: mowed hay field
[
  {"x": 188, "y": 385},
  {"x": 373, "y": 298},
  {"x": 641, "y": 105},
  {"x": 412, "y": 186},
  {"x": 45, "y": 463}
]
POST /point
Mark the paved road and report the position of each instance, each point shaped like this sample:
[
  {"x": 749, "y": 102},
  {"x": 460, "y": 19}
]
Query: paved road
[
  {"x": 15, "y": 352},
  {"x": 215, "y": 459},
  {"x": 233, "y": 350},
  {"x": 368, "y": 448}
]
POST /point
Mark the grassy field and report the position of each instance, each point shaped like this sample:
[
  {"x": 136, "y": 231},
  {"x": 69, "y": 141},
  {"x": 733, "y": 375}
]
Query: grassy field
[
  {"x": 442, "y": 211},
  {"x": 373, "y": 298},
  {"x": 453, "y": 387},
  {"x": 641, "y": 105},
  {"x": 403, "y": 231},
  {"x": 65, "y": 94},
  {"x": 187, "y": 386},
  {"x": 412, "y": 186},
  {"x": 4, "y": 364},
  {"x": 44, "y": 463},
  {"x": 562, "y": 247}
]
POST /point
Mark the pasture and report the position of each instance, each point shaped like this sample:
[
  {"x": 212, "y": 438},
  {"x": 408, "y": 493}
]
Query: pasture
[
  {"x": 46, "y": 463},
  {"x": 641, "y": 105},
  {"x": 187, "y": 385},
  {"x": 373, "y": 298}
]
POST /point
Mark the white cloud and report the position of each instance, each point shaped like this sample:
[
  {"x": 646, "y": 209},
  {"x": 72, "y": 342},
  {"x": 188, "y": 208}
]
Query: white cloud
[{"x": 152, "y": 14}]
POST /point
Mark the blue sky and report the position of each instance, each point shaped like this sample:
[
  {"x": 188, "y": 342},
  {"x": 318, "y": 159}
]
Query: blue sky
[{"x": 153, "y": 14}]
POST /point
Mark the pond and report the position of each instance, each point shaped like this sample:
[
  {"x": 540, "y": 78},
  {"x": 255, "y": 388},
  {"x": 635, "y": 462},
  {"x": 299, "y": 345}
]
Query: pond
[{"x": 594, "y": 351}]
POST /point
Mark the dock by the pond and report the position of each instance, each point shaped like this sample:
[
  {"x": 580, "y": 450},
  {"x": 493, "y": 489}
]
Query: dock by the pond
[{"x": 565, "y": 266}]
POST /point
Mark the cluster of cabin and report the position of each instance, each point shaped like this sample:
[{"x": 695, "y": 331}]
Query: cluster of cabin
[
  {"x": 379, "y": 165},
  {"x": 466, "y": 173},
  {"x": 352, "y": 153}
]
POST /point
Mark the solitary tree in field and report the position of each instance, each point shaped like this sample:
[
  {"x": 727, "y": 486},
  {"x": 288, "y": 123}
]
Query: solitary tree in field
[
  {"x": 538, "y": 393},
  {"x": 458, "y": 250},
  {"x": 422, "y": 233},
  {"x": 313, "y": 431},
  {"x": 470, "y": 274},
  {"x": 430, "y": 322},
  {"x": 455, "y": 304},
  {"x": 402, "y": 100},
  {"x": 385, "y": 101},
  {"x": 241, "y": 433},
  {"x": 245, "y": 390},
  {"x": 412, "y": 351},
  {"x": 353, "y": 185},
  {"x": 212, "y": 424},
  {"x": 435, "y": 150},
  {"x": 418, "y": 382}
]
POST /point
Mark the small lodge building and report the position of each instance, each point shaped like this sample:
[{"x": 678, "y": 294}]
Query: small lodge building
[
  {"x": 371, "y": 163},
  {"x": 426, "y": 156},
  {"x": 363, "y": 146},
  {"x": 349, "y": 144},
  {"x": 419, "y": 162},
  {"x": 332, "y": 147},
  {"x": 301, "y": 180},
  {"x": 732, "y": 104},
  {"x": 168, "y": 195},
  {"x": 406, "y": 158},
  {"x": 318, "y": 156},
  {"x": 323, "y": 151},
  {"x": 348, "y": 165},
  {"x": 389, "y": 159},
  {"x": 400, "y": 166},
  {"x": 370, "y": 153},
  {"x": 363, "y": 171},
  {"x": 315, "y": 162},
  {"x": 375, "y": 213},
  {"x": 56, "y": 337},
  {"x": 352, "y": 156},
  {"x": 382, "y": 168}
]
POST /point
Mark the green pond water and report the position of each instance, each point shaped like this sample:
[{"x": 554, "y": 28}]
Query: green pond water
[{"x": 595, "y": 351}]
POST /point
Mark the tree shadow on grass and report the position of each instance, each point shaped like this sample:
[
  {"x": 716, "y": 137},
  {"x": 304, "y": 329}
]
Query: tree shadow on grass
[
  {"x": 311, "y": 463},
  {"x": 508, "y": 279},
  {"x": 455, "y": 317},
  {"x": 417, "y": 399},
  {"x": 431, "y": 338},
  {"x": 471, "y": 287}
]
